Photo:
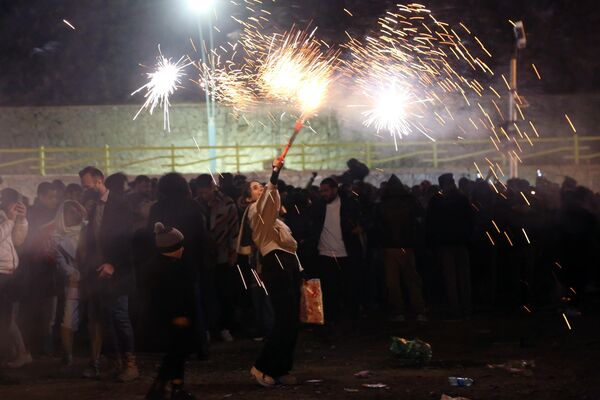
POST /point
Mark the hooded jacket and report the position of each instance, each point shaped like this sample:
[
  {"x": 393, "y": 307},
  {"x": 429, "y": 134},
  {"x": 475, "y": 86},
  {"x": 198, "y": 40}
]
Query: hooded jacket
[{"x": 398, "y": 217}]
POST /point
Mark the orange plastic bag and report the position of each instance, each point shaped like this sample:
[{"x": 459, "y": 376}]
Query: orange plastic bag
[{"x": 311, "y": 303}]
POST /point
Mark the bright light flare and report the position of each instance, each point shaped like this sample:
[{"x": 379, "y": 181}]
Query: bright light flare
[
  {"x": 200, "y": 6},
  {"x": 295, "y": 70},
  {"x": 389, "y": 112},
  {"x": 162, "y": 83}
]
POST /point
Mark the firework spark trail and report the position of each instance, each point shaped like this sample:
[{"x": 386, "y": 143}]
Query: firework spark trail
[
  {"x": 162, "y": 83},
  {"x": 288, "y": 69},
  {"x": 421, "y": 65},
  {"x": 409, "y": 68},
  {"x": 70, "y": 25},
  {"x": 296, "y": 71}
]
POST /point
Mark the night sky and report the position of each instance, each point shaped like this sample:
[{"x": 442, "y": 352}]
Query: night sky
[{"x": 44, "y": 62}]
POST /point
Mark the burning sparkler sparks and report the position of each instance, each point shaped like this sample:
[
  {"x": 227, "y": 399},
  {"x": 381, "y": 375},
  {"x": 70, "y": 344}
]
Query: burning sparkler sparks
[
  {"x": 296, "y": 71},
  {"x": 162, "y": 83}
]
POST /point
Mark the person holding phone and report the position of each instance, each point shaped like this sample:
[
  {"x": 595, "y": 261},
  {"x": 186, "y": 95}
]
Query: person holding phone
[{"x": 13, "y": 231}]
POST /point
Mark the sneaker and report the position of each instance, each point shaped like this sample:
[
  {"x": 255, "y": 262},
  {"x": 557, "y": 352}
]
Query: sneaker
[
  {"x": 226, "y": 335},
  {"x": 397, "y": 318},
  {"x": 422, "y": 318},
  {"x": 287, "y": 380},
  {"x": 261, "y": 378},
  {"x": 20, "y": 361},
  {"x": 92, "y": 371}
]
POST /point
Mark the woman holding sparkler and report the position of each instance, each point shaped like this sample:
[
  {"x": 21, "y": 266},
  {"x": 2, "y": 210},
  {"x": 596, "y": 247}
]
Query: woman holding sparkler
[{"x": 281, "y": 273}]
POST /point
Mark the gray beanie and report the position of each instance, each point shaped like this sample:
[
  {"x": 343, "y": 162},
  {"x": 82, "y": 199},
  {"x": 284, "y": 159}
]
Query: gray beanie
[{"x": 167, "y": 239}]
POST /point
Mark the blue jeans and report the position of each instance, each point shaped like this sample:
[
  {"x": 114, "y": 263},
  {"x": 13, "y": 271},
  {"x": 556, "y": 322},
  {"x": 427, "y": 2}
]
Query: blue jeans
[{"x": 117, "y": 325}]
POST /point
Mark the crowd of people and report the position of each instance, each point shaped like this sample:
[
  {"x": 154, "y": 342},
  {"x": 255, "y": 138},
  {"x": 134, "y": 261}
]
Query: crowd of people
[{"x": 169, "y": 265}]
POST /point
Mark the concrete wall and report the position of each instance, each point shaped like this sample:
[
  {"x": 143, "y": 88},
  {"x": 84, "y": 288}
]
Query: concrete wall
[{"x": 82, "y": 126}]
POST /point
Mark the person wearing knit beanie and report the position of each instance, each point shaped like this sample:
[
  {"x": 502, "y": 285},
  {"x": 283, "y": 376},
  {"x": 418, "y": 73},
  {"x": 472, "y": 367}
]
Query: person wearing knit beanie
[
  {"x": 168, "y": 240},
  {"x": 176, "y": 310}
]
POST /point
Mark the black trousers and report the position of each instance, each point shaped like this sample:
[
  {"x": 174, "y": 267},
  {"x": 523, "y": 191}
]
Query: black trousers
[
  {"x": 281, "y": 276},
  {"x": 340, "y": 283},
  {"x": 180, "y": 344}
]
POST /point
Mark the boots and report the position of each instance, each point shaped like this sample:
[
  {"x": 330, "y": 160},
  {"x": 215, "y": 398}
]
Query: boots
[{"x": 130, "y": 371}]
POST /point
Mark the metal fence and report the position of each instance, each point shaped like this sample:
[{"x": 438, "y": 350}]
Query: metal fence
[{"x": 239, "y": 158}]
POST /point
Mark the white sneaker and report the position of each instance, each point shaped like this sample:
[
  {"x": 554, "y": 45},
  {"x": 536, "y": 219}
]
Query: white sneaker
[
  {"x": 262, "y": 379},
  {"x": 20, "y": 361},
  {"x": 422, "y": 318},
  {"x": 397, "y": 318},
  {"x": 226, "y": 335}
]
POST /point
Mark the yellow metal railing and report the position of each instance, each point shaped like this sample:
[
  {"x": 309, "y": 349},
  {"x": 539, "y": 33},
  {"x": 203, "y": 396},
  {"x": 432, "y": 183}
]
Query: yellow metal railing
[{"x": 307, "y": 156}]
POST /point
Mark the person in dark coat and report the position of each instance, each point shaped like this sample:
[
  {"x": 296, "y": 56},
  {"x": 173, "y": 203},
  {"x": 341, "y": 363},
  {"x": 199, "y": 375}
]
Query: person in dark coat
[
  {"x": 174, "y": 302},
  {"x": 335, "y": 238},
  {"x": 108, "y": 277},
  {"x": 41, "y": 275},
  {"x": 176, "y": 208},
  {"x": 449, "y": 224},
  {"x": 398, "y": 220}
]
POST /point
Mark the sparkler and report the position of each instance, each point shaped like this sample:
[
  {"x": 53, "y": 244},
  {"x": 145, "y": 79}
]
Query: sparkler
[
  {"x": 406, "y": 71},
  {"x": 162, "y": 83},
  {"x": 298, "y": 72}
]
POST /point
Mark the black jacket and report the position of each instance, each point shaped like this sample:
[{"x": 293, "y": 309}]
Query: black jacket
[
  {"x": 173, "y": 293},
  {"x": 449, "y": 219},
  {"x": 398, "y": 220},
  {"x": 186, "y": 216},
  {"x": 114, "y": 247},
  {"x": 349, "y": 219}
]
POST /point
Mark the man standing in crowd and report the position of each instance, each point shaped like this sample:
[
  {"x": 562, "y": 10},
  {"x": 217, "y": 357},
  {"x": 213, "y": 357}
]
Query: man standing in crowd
[
  {"x": 336, "y": 236},
  {"x": 400, "y": 232},
  {"x": 221, "y": 216},
  {"x": 109, "y": 277},
  {"x": 13, "y": 231},
  {"x": 43, "y": 277},
  {"x": 449, "y": 226}
]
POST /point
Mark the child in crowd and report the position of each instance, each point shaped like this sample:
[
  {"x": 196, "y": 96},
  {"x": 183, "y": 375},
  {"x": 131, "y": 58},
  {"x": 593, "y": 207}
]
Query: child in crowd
[{"x": 174, "y": 295}]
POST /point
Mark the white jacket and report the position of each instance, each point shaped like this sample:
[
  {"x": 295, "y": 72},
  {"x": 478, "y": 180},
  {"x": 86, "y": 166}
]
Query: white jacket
[{"x": 12, "y": 234}]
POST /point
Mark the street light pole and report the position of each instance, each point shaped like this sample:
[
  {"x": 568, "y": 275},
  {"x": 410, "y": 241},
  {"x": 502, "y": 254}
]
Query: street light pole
[
  {"x": 206, "y": 7},
  {"x": 520, "y": 43}
]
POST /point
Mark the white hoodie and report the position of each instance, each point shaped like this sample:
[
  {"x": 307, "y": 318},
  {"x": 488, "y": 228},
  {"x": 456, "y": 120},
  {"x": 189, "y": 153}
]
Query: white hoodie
[{"x": 12, "y": 234}]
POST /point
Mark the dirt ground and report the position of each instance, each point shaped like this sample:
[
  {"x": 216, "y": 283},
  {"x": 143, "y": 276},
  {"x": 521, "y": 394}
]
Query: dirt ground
[{"x": 566, "y": 364}]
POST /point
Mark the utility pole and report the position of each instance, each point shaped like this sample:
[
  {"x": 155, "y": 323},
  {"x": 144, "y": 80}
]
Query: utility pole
[{"x": 520, "y": 43}]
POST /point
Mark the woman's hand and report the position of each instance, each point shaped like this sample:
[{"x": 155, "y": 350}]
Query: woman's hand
[{"x": 278, "y": 163}]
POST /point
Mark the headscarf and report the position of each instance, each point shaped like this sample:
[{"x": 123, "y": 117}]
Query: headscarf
[{"x": 59, "y": 220}]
